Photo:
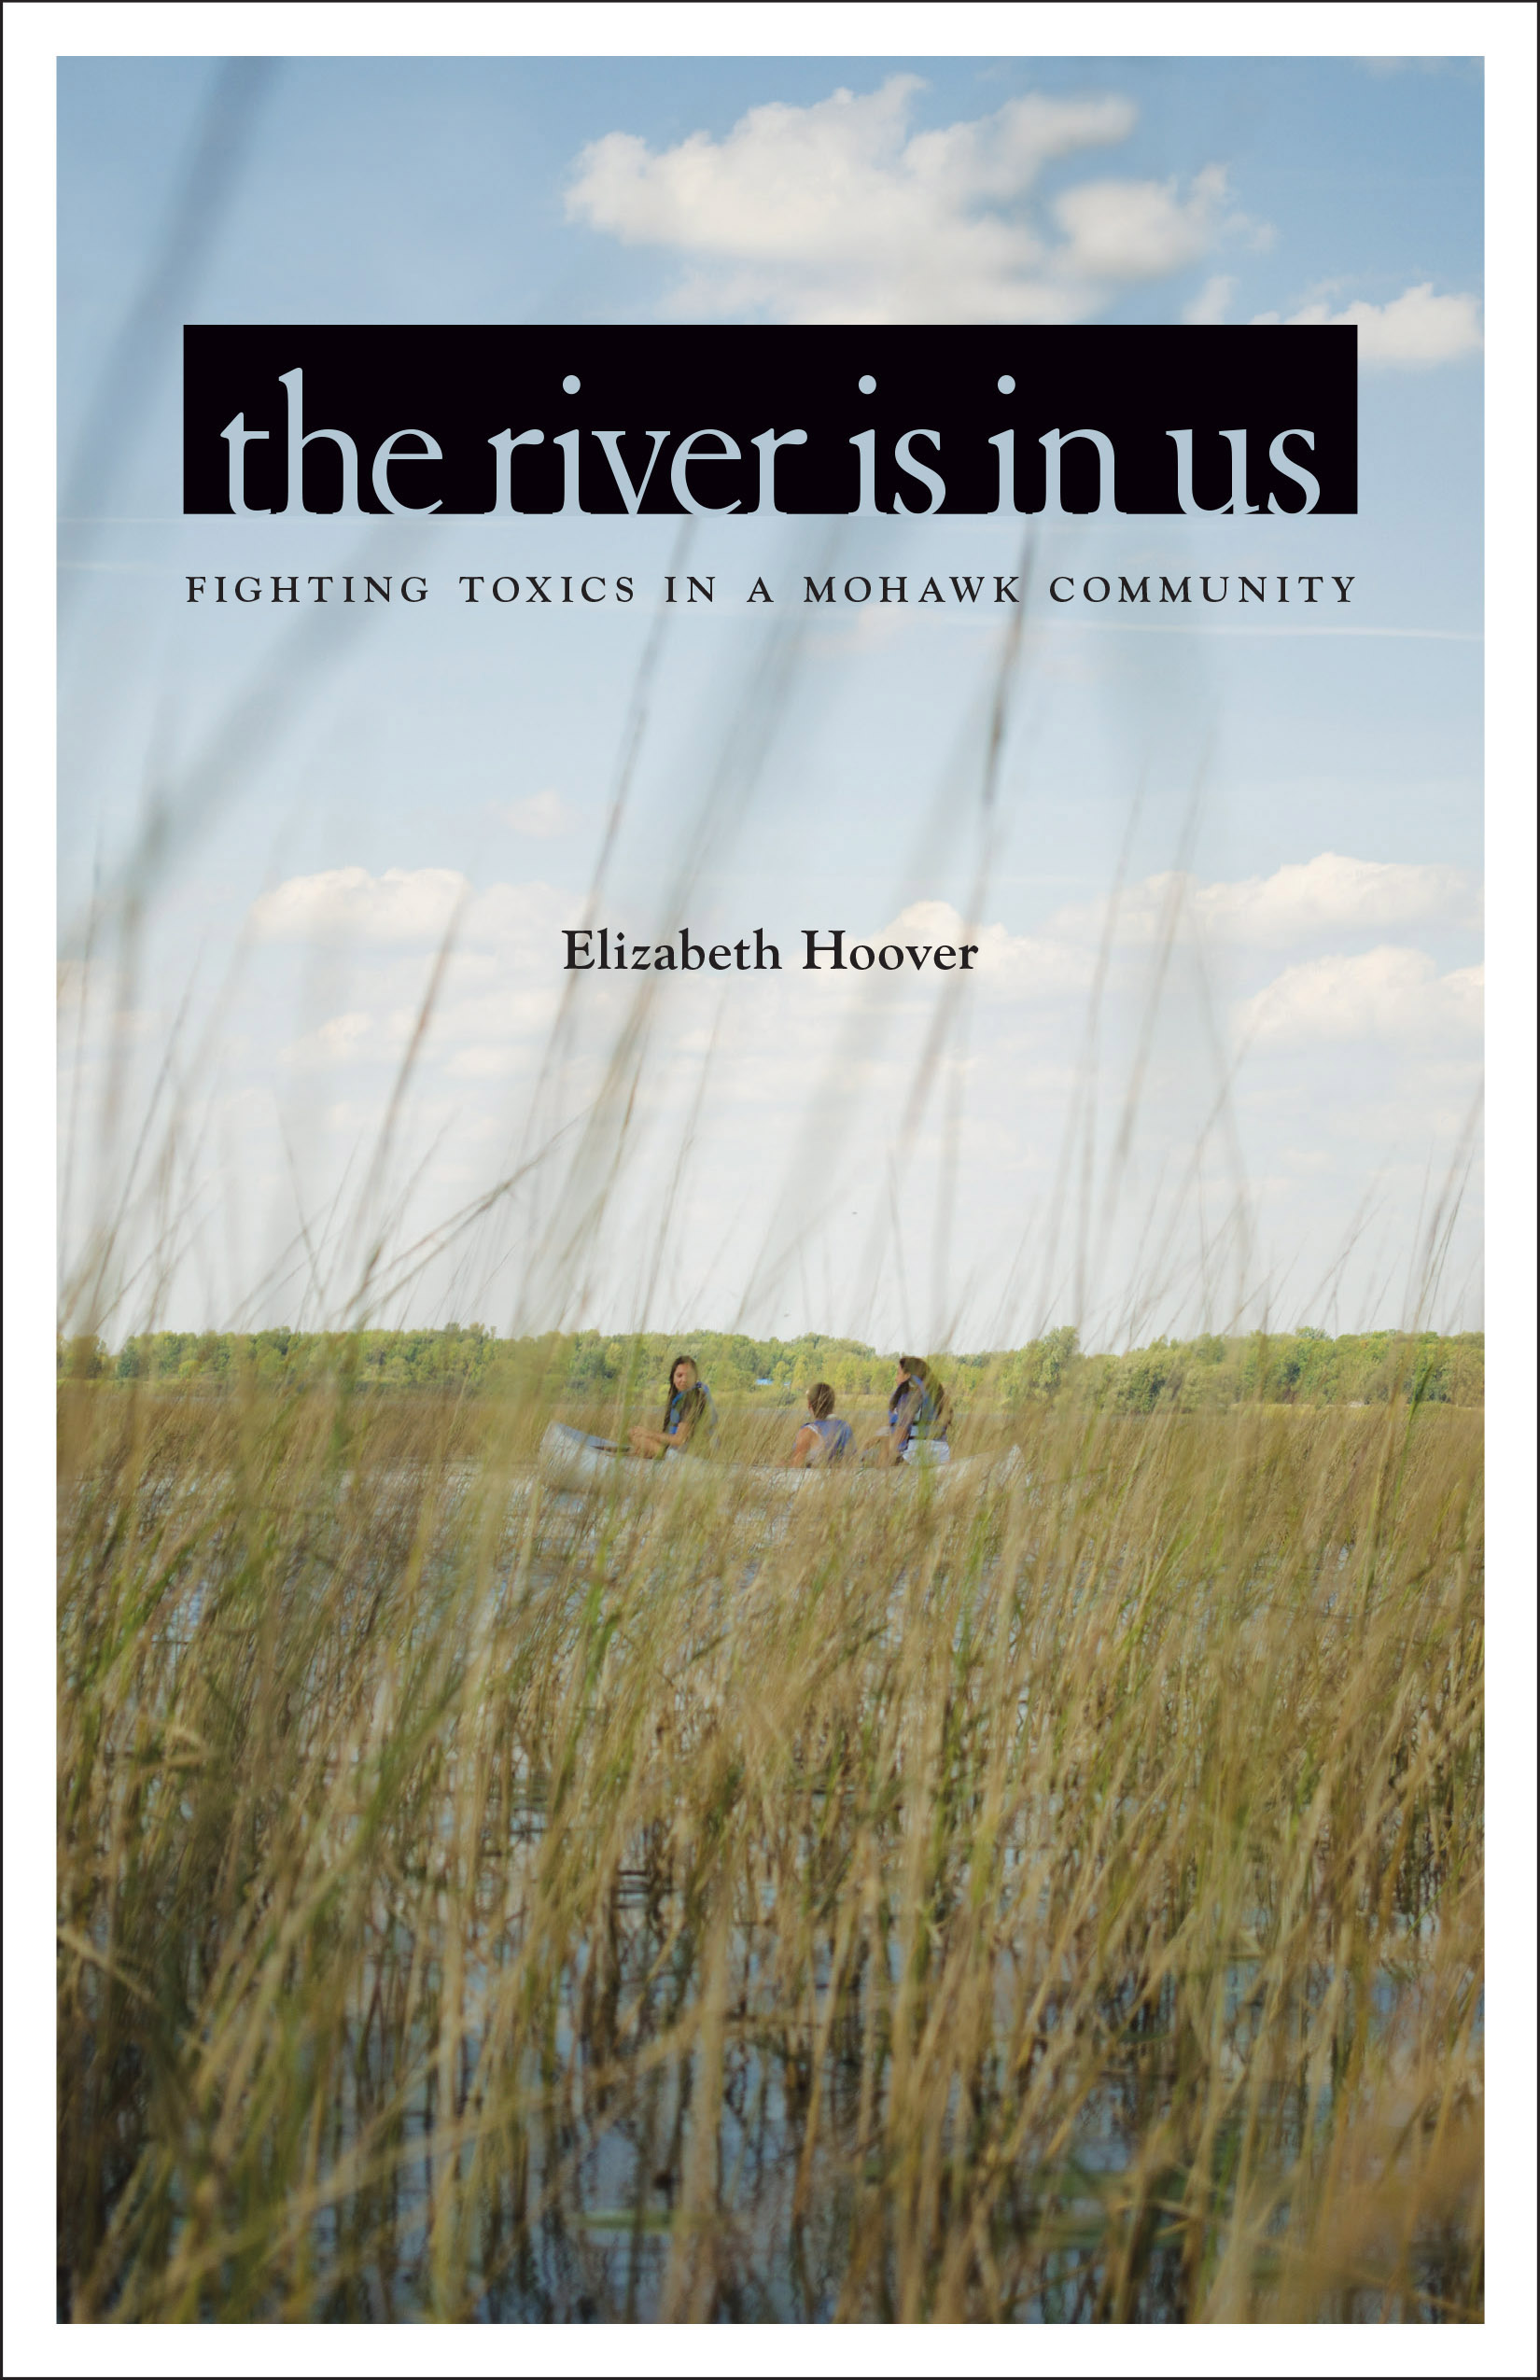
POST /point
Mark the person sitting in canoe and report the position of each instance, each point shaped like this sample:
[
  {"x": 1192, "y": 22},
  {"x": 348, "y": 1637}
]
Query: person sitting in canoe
[
  {"x": 687, "y": 1409},
  {"x": 825, "y": 1438},
  {"x": 919, "y": 1413}
]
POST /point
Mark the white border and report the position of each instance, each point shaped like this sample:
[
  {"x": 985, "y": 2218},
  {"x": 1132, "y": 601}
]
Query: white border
[
  {"x": 36, "y": 36},
  {"x": 1510, "y": 1169},
  {"x": 771, "y": 28}
]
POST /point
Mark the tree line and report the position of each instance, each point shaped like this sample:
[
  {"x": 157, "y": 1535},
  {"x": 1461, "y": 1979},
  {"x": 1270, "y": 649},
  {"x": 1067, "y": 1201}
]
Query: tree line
[{"x": 1205, "y": 1374}]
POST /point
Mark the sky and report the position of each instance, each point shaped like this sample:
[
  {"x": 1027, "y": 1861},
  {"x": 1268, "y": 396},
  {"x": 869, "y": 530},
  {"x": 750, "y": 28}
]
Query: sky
[{"x": 1240, "y": 1093}]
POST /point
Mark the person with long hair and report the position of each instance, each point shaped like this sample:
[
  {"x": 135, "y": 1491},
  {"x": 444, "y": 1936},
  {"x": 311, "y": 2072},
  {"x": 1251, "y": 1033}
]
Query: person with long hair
[
  {"x": 919, "y": 1414},
  {"x": 687, "y": 1408},
  {"x": 823, "y": 1439}
]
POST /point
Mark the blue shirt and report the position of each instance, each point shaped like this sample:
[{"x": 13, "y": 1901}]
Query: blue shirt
[
  {"x": 837, "y": 1435},
  {"x": 705, "y": 1417},
  {"x": 914, "y": 1415}
]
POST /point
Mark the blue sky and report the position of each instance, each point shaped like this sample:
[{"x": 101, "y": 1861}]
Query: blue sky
[
  {"x": 1320, "y": 792},
  {"x": 440, "y": 183}
]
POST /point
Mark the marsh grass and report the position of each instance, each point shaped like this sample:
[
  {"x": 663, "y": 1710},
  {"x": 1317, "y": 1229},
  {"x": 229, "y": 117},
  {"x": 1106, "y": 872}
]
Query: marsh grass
[
  {"x": 1054, "y": 1898},
  {"x": 1060, "y": 1901}
]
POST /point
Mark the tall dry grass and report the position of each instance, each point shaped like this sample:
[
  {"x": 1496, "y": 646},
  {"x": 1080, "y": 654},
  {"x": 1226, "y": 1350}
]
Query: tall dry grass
[{"x": 1052, "y": 1900}]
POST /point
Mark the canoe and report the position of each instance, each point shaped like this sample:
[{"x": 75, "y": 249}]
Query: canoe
[{"x": 575, "y": 1458}]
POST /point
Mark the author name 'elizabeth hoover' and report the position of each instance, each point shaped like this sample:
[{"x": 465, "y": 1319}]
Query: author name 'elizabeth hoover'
[{"x": 827, "y": 948}]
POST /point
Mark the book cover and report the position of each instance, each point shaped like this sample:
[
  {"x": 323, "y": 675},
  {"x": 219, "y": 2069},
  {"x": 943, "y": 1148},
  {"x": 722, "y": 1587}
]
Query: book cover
[{"x": 771, "y": 1338}]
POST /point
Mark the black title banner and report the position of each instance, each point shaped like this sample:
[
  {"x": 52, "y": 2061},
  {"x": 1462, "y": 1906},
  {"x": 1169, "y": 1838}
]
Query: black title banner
[{"x": 426, "y": 418}]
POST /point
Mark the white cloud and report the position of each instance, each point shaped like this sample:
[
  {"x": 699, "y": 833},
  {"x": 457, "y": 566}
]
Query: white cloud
[
  {"x": 1409, "y": 332},
  {"x": 541, "y": 816},
  {"x": 348, "y": 905},
  {"x": 340, "y": 1040},
  {"x": 1385, "y": 994},
  {"x": 488, "y": 1032},
  {"x": 838, "y": 212},
  {"x": 1009, "y": 963},
  {"x": 411, "y": 905},
  {"x": 495, "y": 1016},
  {"x": 1328, "y": 894},
  {"x": 487, "y": 1061},
  {"x": 1138, "y": 231},
  {"x": 1212, "y": 301}
]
